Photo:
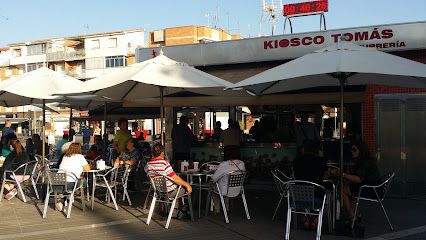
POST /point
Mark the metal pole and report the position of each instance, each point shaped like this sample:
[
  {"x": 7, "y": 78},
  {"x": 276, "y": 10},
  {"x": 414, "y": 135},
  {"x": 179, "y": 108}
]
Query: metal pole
[
  {"x": 162, "y": 114},
  {"x": 342, "y": 101},
  {"x": 104, "y": 133},
  {"x": 69, "y": 131},
  {"x": 43, "y": 134}
]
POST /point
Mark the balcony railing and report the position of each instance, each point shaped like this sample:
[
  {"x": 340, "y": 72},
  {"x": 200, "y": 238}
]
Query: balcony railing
[
  {"x": 67, "y": 56},
  {"x": 4, "y": 62}
]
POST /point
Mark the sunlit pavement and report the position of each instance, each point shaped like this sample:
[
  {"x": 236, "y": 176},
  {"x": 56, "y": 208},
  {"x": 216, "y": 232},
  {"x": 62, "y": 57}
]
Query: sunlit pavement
[{"x": 20, "y": 220}]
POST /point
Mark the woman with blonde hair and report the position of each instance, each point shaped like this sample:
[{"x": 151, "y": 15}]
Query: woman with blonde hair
[{"x": 16, "y": 157}]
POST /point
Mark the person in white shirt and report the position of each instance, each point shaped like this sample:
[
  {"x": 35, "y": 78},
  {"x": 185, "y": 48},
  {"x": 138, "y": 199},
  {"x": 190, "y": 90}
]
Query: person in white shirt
[
  {"x": 74, "y": 162},
  {"x": 233, "y": 164}
]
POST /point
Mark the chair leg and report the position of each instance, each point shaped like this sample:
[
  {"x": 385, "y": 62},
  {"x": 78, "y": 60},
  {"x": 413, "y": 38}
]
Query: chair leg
[
  {"x": 2, "y": 188},
  {"x": 386, "y": 215},
  {"x": 191, "y": 210},
  {"x": 356, "y": 210},
  {"x": 172, "y": 208},
  {"x": 46, "y": 202},
  {"x": 225, "y": 213},
  {"x": 243, "y": 196},
  {"x": 83, "y": 202},
  {"x": 111, "y": 194},
  {"x": 146, "y": 198},
  {"x": 35, "y": 188},
  {"x": 126, "y": 195},
  {"x": 287, "y": 228},
  {"x": 151, "y": 209},
  {"x": 70, "y": 203},
  {"x": 21, "y": 192},
  {"x": 319, "y": 224},
  {"x": 276, "y": 209}
]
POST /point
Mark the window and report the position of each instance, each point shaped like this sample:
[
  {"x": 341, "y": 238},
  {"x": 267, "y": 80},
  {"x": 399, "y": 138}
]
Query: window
[
  {"x": 36, "y": 49},
  {"x": 34, "y": 66},
  {"x": 112, "y": 42},
  {"x": 17, "y": 52},
  {"x": 115, "y": 61},
  {"x": 95, "y": 44}
]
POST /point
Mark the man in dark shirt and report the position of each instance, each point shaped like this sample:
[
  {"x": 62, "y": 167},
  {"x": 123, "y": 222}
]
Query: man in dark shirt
[
  {"x": 309, "y": 166},
  {"x": 182, "y": 140}
]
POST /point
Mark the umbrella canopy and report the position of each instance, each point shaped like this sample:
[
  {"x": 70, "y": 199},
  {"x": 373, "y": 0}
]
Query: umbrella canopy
[
  {"x": 341, "y": 64},
  {"x": 35, "y": 86},
  {"x": 142, "y": 80},
  {"x": 360, "y": 65}
]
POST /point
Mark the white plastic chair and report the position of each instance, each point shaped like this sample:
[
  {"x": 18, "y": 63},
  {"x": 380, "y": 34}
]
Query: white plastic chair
[
  {"x": 301, "y": 199},
  {"x": 235, "y": 188},
  {"x": 380, "y": 194},
  {"x": 24, "y": 172},
  {"x": 159, "y": 186}
]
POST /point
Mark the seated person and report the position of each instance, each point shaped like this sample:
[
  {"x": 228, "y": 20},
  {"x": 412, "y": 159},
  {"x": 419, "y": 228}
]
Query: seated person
[
  {"x": 96, "y": 149},
  {"x": 73, "y": 161},
  {"x": 58, "y": 147},
  {"x": 130, "y": 156},
  {"x": 29, "y": 148},
  {"x": 365, "y": 172},
  {"x": 233, "y": 164},
  {"x": 310, "y": 167},
  {"x": 14, "y": 159},
  {"x": 162, "y": 167}
]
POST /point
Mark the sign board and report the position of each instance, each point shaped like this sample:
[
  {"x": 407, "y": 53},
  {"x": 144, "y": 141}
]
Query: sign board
[
  {"x": 305, "y": 8},
  {"x": 393, "y": 37}
]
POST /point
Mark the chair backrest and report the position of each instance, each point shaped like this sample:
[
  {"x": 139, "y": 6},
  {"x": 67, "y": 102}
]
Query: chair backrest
[
  {"x": 235, "y": 183},
  {"x": 280, "y": 182},
  {"x": 382, "y": 189},
  {"x": 305, "y": 195},
  {"x": 158, "y": 182},
  {"x": 122, "y": 174},
  {"x": 58, "y": 177}
]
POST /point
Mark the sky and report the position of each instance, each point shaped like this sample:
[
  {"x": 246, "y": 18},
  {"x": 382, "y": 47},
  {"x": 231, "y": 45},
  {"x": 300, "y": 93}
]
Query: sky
[{"x": 27, "y": 20}]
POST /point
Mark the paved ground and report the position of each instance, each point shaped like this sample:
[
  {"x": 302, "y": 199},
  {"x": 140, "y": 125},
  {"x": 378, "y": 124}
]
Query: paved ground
[{"x": 20, "y": 220}]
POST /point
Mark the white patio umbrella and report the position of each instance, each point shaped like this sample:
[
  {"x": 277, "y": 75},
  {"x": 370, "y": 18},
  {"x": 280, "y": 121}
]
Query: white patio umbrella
[
  {"x": 35, "y": 87},
  {"x": 156, "y": 77},
  {"x": 340, "y": 64}
]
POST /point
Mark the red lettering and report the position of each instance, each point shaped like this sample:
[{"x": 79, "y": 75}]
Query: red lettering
[
  {"x": 402, "y": 44},
  {"x": 276, "y": 43},
  {"x": 385, "y": 45},
  {"x": 379, "y": 45},
  {"x": 387, "y": 33},
  {"x": 307, "y": 41},
  {"x": 392, "y": 44},
  {"x": 348, "y": 36},
  {"x": 284, "y": 43},
  {"x": 319, "y": 39},
  {"x": 295, "y": 42},
  {"x": 336, "y": 37},
  {"x": 267, "y": 44},
  {"x": 361, "y": 36}
]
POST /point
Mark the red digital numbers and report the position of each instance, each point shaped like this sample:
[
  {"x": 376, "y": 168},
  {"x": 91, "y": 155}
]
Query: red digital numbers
[{"x": 305, "y": 7}]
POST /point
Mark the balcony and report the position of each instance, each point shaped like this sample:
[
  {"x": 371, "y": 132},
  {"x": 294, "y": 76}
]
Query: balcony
[
  {"x": 79, "y": 74},
  {"x": 4, "y": 62},
  {"x": 65, "y": 56}
]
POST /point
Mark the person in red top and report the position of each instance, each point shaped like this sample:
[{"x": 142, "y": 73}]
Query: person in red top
[{"x": 162, "y": 167}]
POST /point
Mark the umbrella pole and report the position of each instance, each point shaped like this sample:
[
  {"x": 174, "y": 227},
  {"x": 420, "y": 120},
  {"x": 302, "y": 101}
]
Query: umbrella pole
[
  {"x": 69, "y": 130},
  {"x": 162, "y": 114},
  {"x": 105, "y": 136},
  {"x": 342, "y": 81},
  {"x": 43, "y": 134}
]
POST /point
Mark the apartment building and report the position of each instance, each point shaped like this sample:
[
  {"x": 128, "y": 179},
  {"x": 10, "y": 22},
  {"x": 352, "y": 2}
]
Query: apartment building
[
  {"x": 188, "y": 35},
  {"x": 82, "y": 57}
]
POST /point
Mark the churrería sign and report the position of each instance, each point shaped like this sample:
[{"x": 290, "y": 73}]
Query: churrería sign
[{"x": 395, "y": 37}]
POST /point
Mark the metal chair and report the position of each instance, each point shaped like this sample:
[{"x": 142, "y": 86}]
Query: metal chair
[
  {"x": 235, "y": 188},
  {"x": 59, "y": 184},
  {"x": 380, "y": 194},
  {"x": 210, "y": 166},
  {"x": 301, "y": 199},
  {"x": 159, "y": 186},
  {"x": 122, "y": 178},
  {"x": 24, "y": 172},
  {"x": 101, "y": 181},
  {"x": 280, "y": 180}
]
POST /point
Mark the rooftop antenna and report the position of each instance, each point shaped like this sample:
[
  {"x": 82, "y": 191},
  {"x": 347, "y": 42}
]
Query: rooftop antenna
[
  {"x": 86, "y": 28},
  {"x": 271, "y": 11},
  {"x": 207, "y": 15}
]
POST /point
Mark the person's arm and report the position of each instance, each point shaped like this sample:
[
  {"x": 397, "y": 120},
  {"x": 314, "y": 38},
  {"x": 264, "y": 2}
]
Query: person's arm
[
  {"x": 221, "y": 170},
  {"x": 351, "y": 178},
  {"x": 86, "y": 167},
  {"x": 182, "y": 182}
]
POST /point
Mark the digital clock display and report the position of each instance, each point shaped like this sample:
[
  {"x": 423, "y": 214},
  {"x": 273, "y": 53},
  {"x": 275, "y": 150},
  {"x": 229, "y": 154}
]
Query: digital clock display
[{"x": 305, "y": 8}]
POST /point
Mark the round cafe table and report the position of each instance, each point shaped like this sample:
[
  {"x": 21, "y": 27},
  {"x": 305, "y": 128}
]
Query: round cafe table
[{"x": 190, "y": 174}]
